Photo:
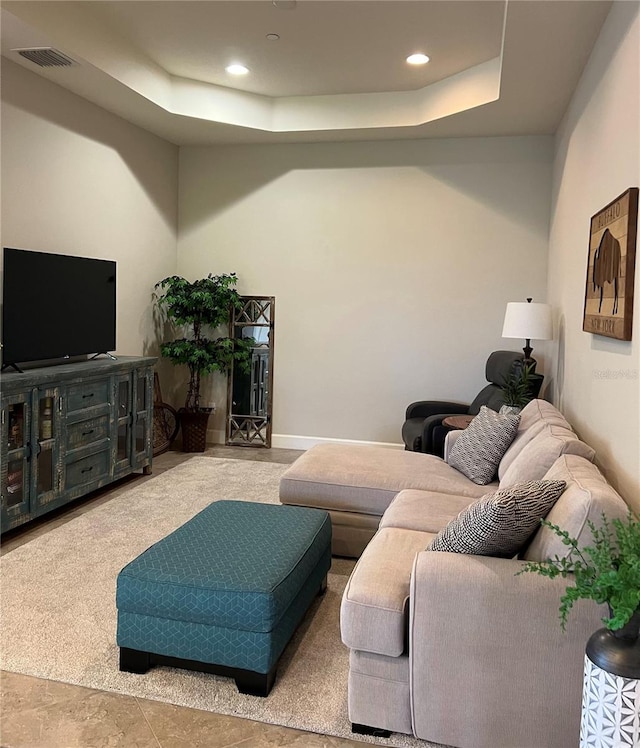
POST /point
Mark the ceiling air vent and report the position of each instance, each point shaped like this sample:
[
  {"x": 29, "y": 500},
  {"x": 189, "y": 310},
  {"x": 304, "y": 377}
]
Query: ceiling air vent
[{"x": 46, "y": 57}]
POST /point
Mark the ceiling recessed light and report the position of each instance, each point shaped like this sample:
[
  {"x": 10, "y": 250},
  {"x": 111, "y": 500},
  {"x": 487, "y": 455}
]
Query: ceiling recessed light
[
  {"x": 272, "y": 37},
  {"x": 417, "y": 59},
  {"x": 236, "y": 69}
]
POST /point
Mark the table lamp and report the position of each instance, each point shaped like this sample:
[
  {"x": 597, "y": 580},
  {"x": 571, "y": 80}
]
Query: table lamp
[{"x": 529, "y": 321}]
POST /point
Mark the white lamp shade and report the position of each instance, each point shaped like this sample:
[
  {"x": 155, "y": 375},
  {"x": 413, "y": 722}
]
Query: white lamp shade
[{"x": 527, "y": 320}]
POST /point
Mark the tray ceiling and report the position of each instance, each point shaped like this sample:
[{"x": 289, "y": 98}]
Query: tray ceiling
[{"x": 337, "y": 70}]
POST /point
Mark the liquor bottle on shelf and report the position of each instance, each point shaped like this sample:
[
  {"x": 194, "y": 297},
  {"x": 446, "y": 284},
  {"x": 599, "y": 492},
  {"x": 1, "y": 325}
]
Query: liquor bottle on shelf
[
  {"x": 14, "y": 480},
  {"x": 15, "y": 427},
  {"x": 12, "y": 418},
  {"x": 47, "y": 418}
]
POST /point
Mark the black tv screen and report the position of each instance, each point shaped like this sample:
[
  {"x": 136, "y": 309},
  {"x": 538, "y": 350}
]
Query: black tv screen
[{"x": 56, "y": 306}]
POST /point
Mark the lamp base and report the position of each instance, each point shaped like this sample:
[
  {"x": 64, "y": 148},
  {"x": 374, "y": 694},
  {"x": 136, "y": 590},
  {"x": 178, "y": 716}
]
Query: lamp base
[{"x": 528, "y": 359}]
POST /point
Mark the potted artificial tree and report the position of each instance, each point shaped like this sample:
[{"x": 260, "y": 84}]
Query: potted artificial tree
[
  {"x": 607, "y": 572},
  {"x": 517, "y": 388},
  {"x": 196, "y": 306}
]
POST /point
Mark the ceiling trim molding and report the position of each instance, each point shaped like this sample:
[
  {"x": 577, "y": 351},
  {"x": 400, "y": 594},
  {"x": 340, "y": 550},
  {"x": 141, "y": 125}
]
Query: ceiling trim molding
[
  {"x": 98, "y": 48},
  {"x": 518, "y": 89}
]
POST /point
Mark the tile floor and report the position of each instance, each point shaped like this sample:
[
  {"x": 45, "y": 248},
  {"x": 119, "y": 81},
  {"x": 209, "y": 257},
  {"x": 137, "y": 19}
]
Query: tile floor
[{"x": 38, "y": 713}]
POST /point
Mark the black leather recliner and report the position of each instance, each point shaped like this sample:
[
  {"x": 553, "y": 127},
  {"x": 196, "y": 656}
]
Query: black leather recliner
[{"x": 423, "y": 430}]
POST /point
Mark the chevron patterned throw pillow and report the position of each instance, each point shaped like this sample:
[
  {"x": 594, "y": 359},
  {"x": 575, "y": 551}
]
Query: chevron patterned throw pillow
[
  {"x": 500, "y": 523},
  {"x": 479, "y": 449}
]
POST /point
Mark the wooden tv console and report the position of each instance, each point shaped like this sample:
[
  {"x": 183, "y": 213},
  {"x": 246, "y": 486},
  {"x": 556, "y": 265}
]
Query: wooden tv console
[{"x": 70, "y": 429}]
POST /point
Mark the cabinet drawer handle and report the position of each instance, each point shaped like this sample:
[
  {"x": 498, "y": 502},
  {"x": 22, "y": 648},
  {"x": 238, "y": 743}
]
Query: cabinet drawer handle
[
  {"x": 86, "y": 433},
  {"x": 89, "y": 395},
  {"x": 87, "y": 470}
]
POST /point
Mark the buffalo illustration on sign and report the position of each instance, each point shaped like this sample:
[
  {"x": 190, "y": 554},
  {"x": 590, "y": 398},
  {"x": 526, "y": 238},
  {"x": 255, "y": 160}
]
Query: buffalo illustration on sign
[{"x": 608, "y": 299}]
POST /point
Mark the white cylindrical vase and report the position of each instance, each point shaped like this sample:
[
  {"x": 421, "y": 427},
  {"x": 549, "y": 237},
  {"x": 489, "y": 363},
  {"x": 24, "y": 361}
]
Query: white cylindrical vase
[
  {"x": 611, "y": 690},
  {"x": 610, "y": 709}
]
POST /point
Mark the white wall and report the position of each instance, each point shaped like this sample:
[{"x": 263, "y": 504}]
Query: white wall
[
  {"x": 391, "y": 264},
  {"x": 597, "y": 158},
  {"x": 78, "y": 180}
]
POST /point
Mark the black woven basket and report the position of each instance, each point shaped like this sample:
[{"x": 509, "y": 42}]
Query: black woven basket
[{"x": 194, "y": 429}]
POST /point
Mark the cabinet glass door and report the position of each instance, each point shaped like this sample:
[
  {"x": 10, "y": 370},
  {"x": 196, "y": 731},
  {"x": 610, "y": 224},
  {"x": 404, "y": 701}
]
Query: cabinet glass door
[
  {"x": 123, "y": 401},
  {"x": 46, "y": 447},
  {"x": 16, "y": 455},
  {"x": 16, "y": 492},
  {"x": 141, "y": 415}
]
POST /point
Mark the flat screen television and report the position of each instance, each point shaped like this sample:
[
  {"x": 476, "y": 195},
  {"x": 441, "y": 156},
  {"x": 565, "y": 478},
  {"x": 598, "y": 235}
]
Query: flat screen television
[{"x": 56, "y": 306}]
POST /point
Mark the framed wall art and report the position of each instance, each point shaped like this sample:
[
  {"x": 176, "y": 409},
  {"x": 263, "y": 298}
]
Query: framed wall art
[{"x": 608, "y": 297}]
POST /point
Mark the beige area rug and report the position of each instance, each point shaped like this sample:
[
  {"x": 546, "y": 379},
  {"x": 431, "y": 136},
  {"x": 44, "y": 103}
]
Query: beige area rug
[{"x": 59, "y": 614}]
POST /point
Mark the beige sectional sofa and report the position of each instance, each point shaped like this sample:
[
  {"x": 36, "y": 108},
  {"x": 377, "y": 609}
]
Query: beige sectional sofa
[
  {"x": 356, "y": 484},
  {"x": 449, "y": 647}
]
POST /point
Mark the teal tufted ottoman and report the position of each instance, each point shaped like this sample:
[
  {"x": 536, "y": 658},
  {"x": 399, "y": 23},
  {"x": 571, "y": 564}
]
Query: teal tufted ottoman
[{"x": 224, "y": 592}]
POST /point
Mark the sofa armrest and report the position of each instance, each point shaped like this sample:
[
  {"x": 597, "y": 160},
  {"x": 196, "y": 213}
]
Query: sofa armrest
[
  {"x": 490, "y": 666},
  {"x": 449, "y": 440},
  {"x": 434, "y": 433},
  {"x": 426, "y": 408}
]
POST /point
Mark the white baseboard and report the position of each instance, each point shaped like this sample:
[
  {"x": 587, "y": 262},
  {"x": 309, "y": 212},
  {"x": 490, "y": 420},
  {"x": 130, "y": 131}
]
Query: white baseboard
[{"x": 291, "y": 441}]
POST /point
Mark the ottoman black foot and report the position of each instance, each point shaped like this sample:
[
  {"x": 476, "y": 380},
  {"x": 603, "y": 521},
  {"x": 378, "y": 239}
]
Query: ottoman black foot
[
  {"x": 134, "y": 661},
  {"x": 323, "y": 587},
  {"x": 247, "y": 681},
  {"x": 255, "y": 684},
  {"x": 377, "y": 732}
]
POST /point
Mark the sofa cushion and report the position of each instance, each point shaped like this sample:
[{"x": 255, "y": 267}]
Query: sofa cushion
[
  {"x": 586, "y": 497},
  {"x": 533, "y": 417},
  {"x": 425, "y": 511},
  {"x": 354, "y": 478},
  {"x": 373, "y": 614},
  {"x": 500, "y": 523},
  {"x": 538, "y": 410},
  {"x": 539, "y": 454},
  {"x": 479, "y": 449},
  {"x": 523, "y": 437}
]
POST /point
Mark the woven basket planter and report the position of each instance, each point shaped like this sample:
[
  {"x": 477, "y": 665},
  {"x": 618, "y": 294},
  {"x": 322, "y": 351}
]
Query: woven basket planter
[{"x": 194, "y": 429}]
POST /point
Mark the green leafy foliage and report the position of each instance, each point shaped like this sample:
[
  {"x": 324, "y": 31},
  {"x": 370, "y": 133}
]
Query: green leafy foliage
[
  {"x": 195, "y": 306},
  {"x": 608, "y": 571},
  {"x": 516, "y": 389}
]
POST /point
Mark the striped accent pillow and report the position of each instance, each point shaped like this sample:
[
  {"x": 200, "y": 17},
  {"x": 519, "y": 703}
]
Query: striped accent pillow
[
  {"x": 479, "y": 449},
  {"x": 500, "y": 523}
]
